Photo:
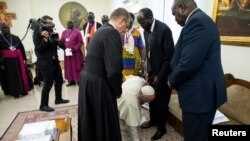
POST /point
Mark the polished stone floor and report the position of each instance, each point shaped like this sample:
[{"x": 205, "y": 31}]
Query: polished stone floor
[{"x": 10, "y": 106}]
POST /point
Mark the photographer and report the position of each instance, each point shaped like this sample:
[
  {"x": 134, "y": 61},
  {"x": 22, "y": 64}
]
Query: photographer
[{"x": 46, "y": 43}]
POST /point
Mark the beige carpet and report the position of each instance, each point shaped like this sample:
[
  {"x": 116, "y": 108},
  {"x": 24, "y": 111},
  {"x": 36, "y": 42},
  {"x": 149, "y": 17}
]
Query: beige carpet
[{"x": 71, "y": 111}]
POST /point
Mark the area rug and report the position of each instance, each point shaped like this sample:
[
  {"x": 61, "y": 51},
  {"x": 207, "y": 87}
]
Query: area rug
[{"x": 71, "y": 112}]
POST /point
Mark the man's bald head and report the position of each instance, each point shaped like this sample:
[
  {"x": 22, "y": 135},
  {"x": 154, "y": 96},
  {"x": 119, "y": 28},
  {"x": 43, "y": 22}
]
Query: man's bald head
[{"x": 181, "y": 10}]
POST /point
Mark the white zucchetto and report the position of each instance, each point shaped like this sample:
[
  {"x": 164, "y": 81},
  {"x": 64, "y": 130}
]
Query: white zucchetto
[{"x": 147, "y": 90}]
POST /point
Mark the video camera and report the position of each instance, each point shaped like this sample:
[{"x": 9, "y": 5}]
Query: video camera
[
  {"x": 35, "y": 24},
  {"x": 41, "y": 24}
]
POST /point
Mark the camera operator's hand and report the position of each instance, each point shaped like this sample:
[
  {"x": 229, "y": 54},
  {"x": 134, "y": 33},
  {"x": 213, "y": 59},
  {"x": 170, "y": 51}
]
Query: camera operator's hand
[{"x": 45, "y": 35}]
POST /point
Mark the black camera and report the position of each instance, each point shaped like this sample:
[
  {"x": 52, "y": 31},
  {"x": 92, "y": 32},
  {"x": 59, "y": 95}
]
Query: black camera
[{"x": 43, "y": 26}]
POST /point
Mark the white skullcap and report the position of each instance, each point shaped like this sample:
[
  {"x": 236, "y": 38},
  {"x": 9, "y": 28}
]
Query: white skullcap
[{"x": 147, "y": 90}]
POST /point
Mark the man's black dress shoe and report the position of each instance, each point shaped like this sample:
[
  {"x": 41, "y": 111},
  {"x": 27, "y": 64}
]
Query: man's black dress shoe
[
  {"x": 158, "y": 135},
  {"x": 147, "y": 124},
  {"x": 61, "y": 101},
  {"x": 46, "y": 108}
]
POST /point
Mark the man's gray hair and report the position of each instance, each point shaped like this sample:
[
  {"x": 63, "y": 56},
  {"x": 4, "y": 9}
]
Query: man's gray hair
[{"x": 117, "y": 13}]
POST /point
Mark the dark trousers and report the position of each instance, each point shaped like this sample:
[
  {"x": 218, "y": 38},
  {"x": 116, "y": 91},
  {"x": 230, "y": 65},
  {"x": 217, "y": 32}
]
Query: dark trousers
[
  {"x": 159, "y": 107},
  {"x": 38, "y": 78},
  {"x": 51, "y": 75},
  {"x": 195, "y": 125}
]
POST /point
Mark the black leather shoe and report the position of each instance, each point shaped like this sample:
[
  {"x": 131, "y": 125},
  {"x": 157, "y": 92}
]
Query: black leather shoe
[
  {"x": 158, "y": 135},
  {"x": 147, "y": 124},
  {"x": 61, "y": 101},
  {"x": 46, "y": 109}
]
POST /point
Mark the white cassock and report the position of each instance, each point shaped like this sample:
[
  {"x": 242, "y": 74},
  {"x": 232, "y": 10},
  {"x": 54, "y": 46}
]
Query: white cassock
[{"x": 129, "y": 105}]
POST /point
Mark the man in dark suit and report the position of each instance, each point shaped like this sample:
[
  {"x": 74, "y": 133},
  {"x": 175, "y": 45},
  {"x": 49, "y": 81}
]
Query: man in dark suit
[
  {"x": 197, "y": 72},
  {"x": 46, "y": 44},
  {"x": 159, "y": 48}
]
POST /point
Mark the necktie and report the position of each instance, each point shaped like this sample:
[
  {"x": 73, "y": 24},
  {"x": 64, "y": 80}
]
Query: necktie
[{"x": 148, "y": 52}]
